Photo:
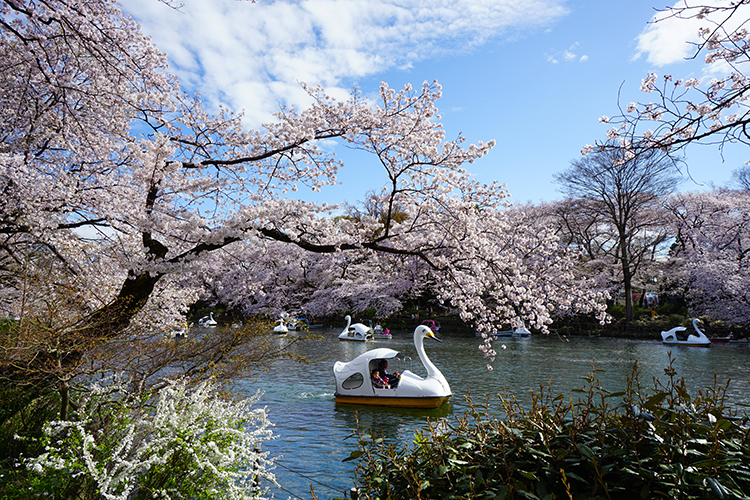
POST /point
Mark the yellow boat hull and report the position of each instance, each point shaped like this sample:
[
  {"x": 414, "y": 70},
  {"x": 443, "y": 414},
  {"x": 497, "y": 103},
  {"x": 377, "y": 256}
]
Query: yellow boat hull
[
  {"x": 687, "y": 344},
  {"x": 400, "y": 402}
]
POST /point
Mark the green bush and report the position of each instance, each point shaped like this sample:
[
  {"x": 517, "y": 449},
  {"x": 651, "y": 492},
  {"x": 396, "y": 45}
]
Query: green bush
[
  {"x": 632, "y": 444},
  {"x": 618, "y": 311},
  {"x": 180, "y": 442}
]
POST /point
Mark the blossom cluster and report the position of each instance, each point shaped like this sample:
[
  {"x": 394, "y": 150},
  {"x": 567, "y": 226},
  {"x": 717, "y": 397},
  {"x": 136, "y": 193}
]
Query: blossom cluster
[{"x": 206, "y": 441}]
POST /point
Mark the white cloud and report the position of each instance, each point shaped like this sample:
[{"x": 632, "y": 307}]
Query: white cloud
[
  {"x": 668, "y": 40},
  {"x": 252, "y": 56},
  {"x": 569, "y": 55}
]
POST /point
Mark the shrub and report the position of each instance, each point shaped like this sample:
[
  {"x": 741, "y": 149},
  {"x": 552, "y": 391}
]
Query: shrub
[
  {"x": 189, "y": 444},
  {"x": 625, "y": 445}
]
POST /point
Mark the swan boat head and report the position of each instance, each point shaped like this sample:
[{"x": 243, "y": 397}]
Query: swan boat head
[{"x": 354, "y": 385}]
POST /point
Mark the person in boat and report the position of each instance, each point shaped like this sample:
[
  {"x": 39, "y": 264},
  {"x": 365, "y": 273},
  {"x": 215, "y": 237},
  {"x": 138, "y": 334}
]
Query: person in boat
[
  {"x": 391, "y": 378},
  {"x": 378, "y": 381}
]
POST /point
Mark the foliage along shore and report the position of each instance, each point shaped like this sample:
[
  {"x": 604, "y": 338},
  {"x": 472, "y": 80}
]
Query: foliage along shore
[
  {"x": 647, "y": 324},
  {"x": 658, "y": 442}
]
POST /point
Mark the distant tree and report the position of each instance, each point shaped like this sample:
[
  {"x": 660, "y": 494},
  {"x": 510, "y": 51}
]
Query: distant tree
[
  {"x": 583, "y": 228},
  {"x": 712, "y": 252},
  {"x": 619, "y": 198},
  {"x": 271, "y": 277},
  {"x": 741, "y": 177}
]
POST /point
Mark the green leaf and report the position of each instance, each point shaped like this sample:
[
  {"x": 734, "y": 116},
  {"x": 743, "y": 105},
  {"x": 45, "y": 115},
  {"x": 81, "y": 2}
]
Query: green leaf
[
  {"x": 539, "y": 453},
  {"x": 355, "y": 454},
  {"x": 573, "y": 475},
  {"x": 527, "y": 494},
  {"x": 528, "y": 474},
  {"x": 586, "y": 451},
  {"x": 615, "y": 394},
  {"x": 716, "y": 487},
  {"x": 723, "y": 424},
  {"x": 655, "y": 400}
]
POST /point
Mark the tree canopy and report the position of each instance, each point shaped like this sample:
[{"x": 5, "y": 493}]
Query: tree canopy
[{"x": 133, "y": 191}]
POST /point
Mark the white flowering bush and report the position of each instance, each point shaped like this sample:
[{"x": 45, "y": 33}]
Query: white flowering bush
[{"x": 186, "y": 442}]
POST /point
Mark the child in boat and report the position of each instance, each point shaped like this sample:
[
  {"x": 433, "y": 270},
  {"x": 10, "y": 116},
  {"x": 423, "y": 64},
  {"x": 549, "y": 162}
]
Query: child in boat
[
  {"x": 391, "y": 378},
  {"x": 379, "y": 381}
]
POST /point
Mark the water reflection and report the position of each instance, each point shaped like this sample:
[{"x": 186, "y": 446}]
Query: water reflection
[
  {"x": 312, "y": 429},
  {"x": 395, "y": 425}
]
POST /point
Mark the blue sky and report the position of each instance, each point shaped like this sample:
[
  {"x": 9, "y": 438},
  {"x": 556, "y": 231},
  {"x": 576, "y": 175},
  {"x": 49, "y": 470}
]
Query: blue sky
[{"x": 535, "y": 75}]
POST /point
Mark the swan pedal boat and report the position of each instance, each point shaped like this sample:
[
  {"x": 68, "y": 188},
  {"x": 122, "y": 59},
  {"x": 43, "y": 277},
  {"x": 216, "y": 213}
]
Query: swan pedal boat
[
  {"x": 354, "y": 386},
  {"x": 283, "y": 325},
  {"x": 298, "y": 324},
  {"x": 357, "y": 332},
  {"x": 382, "y": 333},
  {"x": 280, "y": 328},
  {"x": 434, "y": 325},
  {"x": 518, "y": 332},
  {"x": 696, "y": 338},
  {"x": 207, "y": 321}
]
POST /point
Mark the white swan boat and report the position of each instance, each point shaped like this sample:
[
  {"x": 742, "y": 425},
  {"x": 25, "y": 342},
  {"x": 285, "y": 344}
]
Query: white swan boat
[
  {"x": 180, "y": 332},
  {"x": 356, "y": 332},
  {"x": 434, "y": 325},
  {"x": 675, "y": 336},
  {"x": 379, "y": 331},
  {"x": 299, "y": 324},
  {"x": 207, "y": 321},
  {"x": 518, "y": 332},
  {"x": 280, "y": 327},
  {"x": 354, "y": 385}
]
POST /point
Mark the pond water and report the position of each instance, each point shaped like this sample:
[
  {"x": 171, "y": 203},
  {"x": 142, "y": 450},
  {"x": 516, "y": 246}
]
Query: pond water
[{"x": 312, "y": 430}]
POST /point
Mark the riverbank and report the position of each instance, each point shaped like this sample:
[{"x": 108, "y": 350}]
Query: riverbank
[{"x": 645, "y": 328}]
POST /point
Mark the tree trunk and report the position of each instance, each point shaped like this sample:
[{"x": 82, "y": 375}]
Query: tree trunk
[
  {"x": 627, "y": 280},
  {"x": 64, "y": 399}
]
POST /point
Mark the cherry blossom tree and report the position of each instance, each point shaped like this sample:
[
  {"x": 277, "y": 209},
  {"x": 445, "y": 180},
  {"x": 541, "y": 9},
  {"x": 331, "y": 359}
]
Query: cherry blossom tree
[
  {"x": 540, "y": 277},
  {"x": 134, "y": 188},
  {"x": 681, "y": 112},
  {"x": 268, "y": 277},
  {"x": 712, "y": 252}
]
